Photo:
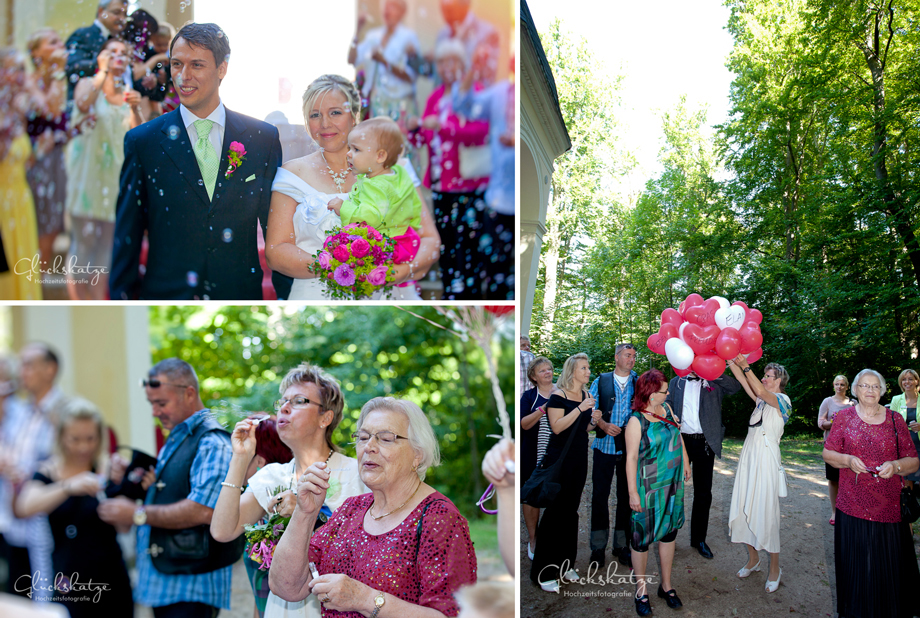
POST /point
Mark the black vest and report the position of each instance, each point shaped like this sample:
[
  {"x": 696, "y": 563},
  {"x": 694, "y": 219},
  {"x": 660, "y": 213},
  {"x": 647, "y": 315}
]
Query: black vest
[
  {"x": 606, "y": 398},
  {"x": 192, "y": 550}
]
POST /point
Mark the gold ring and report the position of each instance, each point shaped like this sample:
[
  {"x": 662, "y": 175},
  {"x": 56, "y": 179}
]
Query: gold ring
[{"x": 325, "y": 600}]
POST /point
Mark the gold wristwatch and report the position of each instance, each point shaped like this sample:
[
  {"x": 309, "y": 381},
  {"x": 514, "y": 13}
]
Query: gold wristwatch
[
  {"x": 378, "y": 602},
  {"x": 140, "y": 516}
]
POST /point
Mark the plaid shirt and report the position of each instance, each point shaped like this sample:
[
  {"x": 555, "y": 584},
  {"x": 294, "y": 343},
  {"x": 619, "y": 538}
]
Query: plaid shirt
[
  {"x": 526, "y": 359},
  {"x": 619, "y": 414},
  {"x": 156, "y": 589}
]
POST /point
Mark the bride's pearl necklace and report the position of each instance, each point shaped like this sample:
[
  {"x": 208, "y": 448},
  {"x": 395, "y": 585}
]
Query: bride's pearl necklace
[{"x": 337, "y": 178}]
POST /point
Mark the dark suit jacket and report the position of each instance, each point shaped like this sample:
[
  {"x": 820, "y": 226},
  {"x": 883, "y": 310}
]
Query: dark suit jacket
[
  {"x": 710, "y": 406},
  {"x": 198, "y": 248},
  {"x": 83, "y": 46}
]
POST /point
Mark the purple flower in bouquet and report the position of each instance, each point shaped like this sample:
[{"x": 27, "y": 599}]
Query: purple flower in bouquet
[
  {"x": 344, "y": 275},
  {"x": 360, "y": 247},
  {"x": 277, "y": 529},
  {"x": 351, "y": 226},
  {"x": 341, "y": 253},
  {"x": 378, "y": 276},
  {"x": 324, "y": 259}
]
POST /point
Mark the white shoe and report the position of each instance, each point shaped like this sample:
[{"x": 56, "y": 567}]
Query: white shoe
[
  {"x": 571, "y": 576},
  {"x": 550, "y": 586},
  {"x": 772, "y": 586},
  {"x": 744, "y": 572},
  {"x": 529, "y": 552}
]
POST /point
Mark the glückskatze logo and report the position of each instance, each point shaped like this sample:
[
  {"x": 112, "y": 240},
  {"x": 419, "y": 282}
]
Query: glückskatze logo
[
  {"x": 610, "y": 577},
  {"x": 33, "y": 267},
  {"x": 63, "y": 584}
]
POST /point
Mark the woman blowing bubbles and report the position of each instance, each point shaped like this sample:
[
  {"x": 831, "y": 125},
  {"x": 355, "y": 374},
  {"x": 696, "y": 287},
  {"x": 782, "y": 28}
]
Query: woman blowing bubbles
[{"x": 402, "y": 550}]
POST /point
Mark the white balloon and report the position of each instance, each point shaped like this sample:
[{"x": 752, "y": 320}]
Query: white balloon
[
  {"x": 679, "y": 354},
  {"x": 730, "y": 316},
  {"x": 680, "y": 331},
  {"x": 723, "y": 302}
]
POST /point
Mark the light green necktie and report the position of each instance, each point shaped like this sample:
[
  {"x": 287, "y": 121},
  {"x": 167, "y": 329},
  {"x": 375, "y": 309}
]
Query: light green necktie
[{"x": 207, "y": 158}]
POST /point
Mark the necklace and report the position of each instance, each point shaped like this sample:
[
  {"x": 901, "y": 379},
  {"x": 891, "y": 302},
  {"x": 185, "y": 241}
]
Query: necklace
[
  {"x": 866, "y": 412},
  {"x": 337, "y": 178},
  {"x": 379, "y": 517},
  {"x": 294, "y": 476}
]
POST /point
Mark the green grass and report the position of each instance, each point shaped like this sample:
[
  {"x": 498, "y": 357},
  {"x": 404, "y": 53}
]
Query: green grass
[
  {"x": 484, "y": 535},
  {"x": 803, "y": 452}
]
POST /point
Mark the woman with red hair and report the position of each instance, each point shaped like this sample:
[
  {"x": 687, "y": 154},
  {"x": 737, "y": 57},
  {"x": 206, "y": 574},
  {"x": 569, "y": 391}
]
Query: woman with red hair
[{"x": 657, "y": 466}]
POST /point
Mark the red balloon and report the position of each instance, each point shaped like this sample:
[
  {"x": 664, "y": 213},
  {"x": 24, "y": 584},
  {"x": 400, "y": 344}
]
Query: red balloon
[
  {"x": 704, "y": 314},
  {"x": 708, "y": 366},
  {"x": 751, "y": 339},
  {"x": 499, "y": 309},
  {"x": 682, "y": 307},
  {"x": 741, "y": 304},
  {"x": 755, "y": 356},
  {"x": 656, "y": 342},
  {"x": 670, "y": 316},
  {"x": 667, "y": 331},
  {"x": 700, "y": 338},
  {"x": 754, "y": 315},
  {"x": 728, "y": 343},
  {"x": 693, "y": 300},
  {"x": 682, "y": 372}
]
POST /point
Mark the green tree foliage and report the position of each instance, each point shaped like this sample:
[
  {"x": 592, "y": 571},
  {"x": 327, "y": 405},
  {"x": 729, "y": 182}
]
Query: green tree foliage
[
  {"x": 241, "y": 353},
  {"x": 803, "y": 204}
]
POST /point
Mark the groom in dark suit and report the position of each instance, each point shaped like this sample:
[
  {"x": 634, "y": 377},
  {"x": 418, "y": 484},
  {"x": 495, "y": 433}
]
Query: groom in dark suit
[
  {"x": 196, "y": 180},
  {"x": 698, "y": 404}
]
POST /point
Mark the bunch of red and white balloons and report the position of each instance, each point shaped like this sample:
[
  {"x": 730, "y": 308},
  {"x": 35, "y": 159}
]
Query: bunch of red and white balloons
[{"x": 700, "y": 335}]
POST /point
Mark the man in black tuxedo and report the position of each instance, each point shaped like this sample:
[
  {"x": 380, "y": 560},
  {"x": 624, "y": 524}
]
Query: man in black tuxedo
[
  {"x": 698, "y": 404},
  {"x": 85, "y": 43},
  {"x": 179, "y": 185}
]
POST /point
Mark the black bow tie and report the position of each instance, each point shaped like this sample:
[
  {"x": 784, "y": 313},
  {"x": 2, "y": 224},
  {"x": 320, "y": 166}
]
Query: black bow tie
[{"x": 692, "y": 378}]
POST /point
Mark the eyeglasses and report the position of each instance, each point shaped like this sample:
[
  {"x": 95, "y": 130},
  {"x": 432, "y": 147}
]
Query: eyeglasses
[
  {"x": 870, "y": 387},
  {"x": 384, "y": 438},
  {"x": 155, "y": 383},
  {"x": 298, "y": 403}
]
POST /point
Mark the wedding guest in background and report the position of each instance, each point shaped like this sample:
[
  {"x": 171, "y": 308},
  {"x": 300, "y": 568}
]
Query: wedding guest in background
[
  {"x": 309, "y": 411},
  {"x": 570, "y": 409},
  {"x": 527, "y": 357},
  {"x": 535, "y": 434},
  {"x": 497, "y": 104},
  {"x": 65, "y": 488},
  {"x": 191, "y": 576},
  {"x": 829, "y": 408},
  {"x": 874, "y": 556},
  {"x": 760, "y": 480},
  {"x": 474, "y": 33},
  {"x": 396, "y": 445},
  {"x": 657, "y": 466},
  {"x": 84, "y": 45},
  {"x": 47, "y": 128},
  {"x": 905, "y": 404},
  {"x": 17, "y": 209},
  {"x": 94, "y": 162},
  {"x": 459, "y": 208}
]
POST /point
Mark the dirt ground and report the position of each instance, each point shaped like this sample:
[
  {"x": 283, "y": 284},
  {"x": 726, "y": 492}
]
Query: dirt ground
[{"x": 711, "y": 588}]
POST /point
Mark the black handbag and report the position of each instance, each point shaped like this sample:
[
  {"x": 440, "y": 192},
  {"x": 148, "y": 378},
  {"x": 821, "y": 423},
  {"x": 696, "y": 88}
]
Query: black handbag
[
  {"x": 543, "y": 486},
  {"x": 910, "y": 508}
]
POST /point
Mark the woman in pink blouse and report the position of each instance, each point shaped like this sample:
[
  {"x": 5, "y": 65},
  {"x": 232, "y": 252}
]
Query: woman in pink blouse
[
  {"x": 401, "y": 550},
  {"x": 876, "y": 565},
  {"x": 459, "y": 210}
]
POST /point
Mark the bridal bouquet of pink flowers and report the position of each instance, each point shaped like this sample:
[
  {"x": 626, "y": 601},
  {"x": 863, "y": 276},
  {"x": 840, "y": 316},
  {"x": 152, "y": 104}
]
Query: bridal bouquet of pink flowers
[
  {"x": 356, "y": 261},
  {"x": 262, "y": 538}
]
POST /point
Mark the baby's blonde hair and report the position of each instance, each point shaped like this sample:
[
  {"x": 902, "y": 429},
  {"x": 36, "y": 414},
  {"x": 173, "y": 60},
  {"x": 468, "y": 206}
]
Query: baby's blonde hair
[{"x": 387, "y": 136}]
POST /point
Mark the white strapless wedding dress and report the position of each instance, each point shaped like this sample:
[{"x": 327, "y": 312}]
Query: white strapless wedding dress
[{"x": 312, "y": 224}]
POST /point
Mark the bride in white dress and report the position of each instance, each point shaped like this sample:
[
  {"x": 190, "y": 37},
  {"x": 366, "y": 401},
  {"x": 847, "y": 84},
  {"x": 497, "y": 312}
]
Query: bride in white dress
[{"x": 299, "y": 221}]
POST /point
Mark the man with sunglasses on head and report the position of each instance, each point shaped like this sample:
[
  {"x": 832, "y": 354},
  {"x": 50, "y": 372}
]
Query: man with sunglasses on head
[
  {"x": 182, "y": 570},
  {"x": 698, "y": 405},
  {"x": 613, "y": 393}
]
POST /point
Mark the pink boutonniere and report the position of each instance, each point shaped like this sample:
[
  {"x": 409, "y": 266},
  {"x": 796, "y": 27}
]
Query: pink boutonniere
[{"x": 236, "y": 157}]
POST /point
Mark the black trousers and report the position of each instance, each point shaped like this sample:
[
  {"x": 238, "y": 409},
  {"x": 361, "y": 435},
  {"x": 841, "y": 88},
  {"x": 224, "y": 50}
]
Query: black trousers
[
  {"x": 702, "y": 459},
  {"x": 602, "y": 477},
  {"x": 19, "y": 571},
  {"x": 461, "y": 222},
  {"x": 186, "y": 610}
]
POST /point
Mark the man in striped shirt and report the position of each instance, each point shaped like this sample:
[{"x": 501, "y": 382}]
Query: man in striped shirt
[{"x": 613, "y": 393}]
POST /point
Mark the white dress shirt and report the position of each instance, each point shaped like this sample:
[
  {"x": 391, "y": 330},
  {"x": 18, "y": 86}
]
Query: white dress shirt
[
  {"x": 690, "y": 419},
  {"x": 218, "y": 117}
]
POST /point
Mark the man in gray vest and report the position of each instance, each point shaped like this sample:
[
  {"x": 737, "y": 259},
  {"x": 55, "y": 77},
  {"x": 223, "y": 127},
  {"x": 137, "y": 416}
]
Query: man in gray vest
[
  {"x": 698, "y": 405},
  {"x": 182, "y": 570},
  {"x": 613, "y": 393}
]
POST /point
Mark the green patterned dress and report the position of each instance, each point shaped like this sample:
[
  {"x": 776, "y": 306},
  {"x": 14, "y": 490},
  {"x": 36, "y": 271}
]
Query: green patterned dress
[{"x": 659, "y": 481}]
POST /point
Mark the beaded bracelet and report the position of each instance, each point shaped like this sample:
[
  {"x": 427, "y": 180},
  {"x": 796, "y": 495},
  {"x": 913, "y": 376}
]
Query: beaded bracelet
[{"x": 226, "y": 484}]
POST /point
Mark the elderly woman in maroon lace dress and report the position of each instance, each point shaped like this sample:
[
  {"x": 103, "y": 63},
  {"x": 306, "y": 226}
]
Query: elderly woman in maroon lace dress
[{"x": 402, "y": 550}]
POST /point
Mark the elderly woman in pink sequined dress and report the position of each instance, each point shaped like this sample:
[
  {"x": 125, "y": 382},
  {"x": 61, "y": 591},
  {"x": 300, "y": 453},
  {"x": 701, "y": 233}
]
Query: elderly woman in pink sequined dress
[{"x": 402, "y": 550}]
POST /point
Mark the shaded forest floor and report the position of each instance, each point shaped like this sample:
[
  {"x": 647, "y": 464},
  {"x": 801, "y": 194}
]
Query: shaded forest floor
[{"x": 711, "y": 588}]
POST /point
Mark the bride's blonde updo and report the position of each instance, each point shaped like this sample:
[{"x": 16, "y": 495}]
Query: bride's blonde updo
[{"x": 325, "y": 84}]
